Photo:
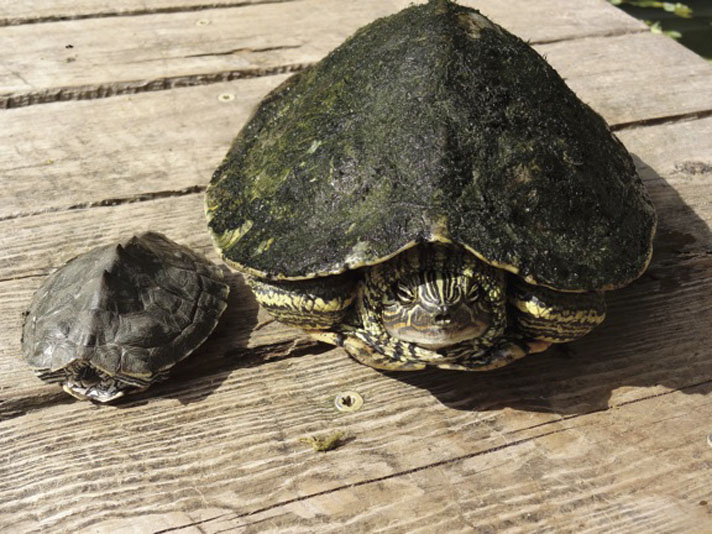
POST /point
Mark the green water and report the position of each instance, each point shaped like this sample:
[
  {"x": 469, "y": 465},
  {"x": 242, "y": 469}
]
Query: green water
[{"x": 695, "y": 32}]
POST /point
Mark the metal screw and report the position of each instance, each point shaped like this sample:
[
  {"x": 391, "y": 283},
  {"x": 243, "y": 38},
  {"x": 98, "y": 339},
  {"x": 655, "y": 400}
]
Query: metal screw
[
  {"x": 226, "y": 97},
  {"x": 202, "y": 22},
  {"x": 348, "y": 401}
]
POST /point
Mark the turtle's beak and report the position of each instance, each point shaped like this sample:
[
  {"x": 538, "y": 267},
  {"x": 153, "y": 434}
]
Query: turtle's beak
[{"x": 442, "y": 316}]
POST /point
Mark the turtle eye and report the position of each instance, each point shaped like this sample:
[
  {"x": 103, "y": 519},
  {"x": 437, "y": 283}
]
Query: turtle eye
[{"x": 404, "y": 294}]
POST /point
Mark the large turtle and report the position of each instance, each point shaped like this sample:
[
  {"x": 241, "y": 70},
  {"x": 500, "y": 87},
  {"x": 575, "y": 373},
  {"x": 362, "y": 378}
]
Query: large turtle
[
  {"x": 431, "y": 193},
  {"x": 116, "y": 319}
]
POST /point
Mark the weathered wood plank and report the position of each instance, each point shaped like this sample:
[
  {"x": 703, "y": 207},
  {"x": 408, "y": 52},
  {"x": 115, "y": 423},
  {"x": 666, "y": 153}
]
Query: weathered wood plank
[
  {"x": 602, "y": 18},
  {"x": 485, "y": 445},
  {"x": 641, "y": 329},
  {"x": 34, "y": 11},
  {"x": 634, "y": 78},
  {"x": 33, "y": 246},
  {"x": 663, "y": 318},
  {"x": 599, "y": 473},
  {"x": 681, "y": 153},
  {"x": 604, "y": 435},
  {"x": 121, "y": 148},
  {"x": 135, "y": 146},
  {"x": 212, "y": 45}
]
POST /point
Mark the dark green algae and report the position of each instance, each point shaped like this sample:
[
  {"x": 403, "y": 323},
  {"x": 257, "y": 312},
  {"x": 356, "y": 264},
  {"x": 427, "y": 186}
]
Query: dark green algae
[{"x": 430, "y": 124}]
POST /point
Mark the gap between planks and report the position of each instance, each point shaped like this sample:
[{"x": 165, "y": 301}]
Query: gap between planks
[
  {"x": 140, "y": 197},
  {"x": 199, "y": 189},
  {"x": 94, "y": 92},
  {"x": 133, "y": 87},
  {"x": 667, "y": 119}
]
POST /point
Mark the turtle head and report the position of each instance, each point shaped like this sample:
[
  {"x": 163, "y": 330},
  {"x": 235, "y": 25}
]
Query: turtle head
[
  {"x": 84, "y": 381},
  {"x": 436, "y": 308}
]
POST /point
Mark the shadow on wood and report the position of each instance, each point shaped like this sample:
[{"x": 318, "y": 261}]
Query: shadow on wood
[
  {"x": 197, "y": 376},
  {"x": 656, "y": 333},
  {"x": 231, "y": 347}
]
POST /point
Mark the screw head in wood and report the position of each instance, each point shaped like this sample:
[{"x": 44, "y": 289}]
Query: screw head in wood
[
  {"x": 226, "y": 97},
  {"x": 348, "y": 401}
]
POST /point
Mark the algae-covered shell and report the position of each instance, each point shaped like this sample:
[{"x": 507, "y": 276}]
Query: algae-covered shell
[
  {"x": 433, "y": 124},
  {"x": 131, "y": 309}
]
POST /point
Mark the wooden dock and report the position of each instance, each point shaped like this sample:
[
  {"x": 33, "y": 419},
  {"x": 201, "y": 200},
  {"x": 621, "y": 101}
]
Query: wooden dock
[{"x": 112, "y": 118}]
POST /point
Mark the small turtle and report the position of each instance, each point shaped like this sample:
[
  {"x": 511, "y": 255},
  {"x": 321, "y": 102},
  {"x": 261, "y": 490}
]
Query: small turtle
[
  {"x": 431, "y": 193},
  {"x": 116, "y": 319}
]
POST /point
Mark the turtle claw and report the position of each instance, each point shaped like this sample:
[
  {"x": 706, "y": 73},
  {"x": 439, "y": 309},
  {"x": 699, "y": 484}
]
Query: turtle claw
[
  {"x": 504, "y": 353},
  {"x": 365, "y": 354}
]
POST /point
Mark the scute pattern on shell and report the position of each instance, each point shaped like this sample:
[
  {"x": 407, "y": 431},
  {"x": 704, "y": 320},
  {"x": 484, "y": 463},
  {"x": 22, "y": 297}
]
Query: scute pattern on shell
[{"x": 132, "y": 309}]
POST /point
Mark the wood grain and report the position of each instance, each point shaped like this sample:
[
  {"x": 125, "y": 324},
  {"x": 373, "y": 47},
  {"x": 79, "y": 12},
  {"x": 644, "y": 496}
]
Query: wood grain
[
  {"x": 578, "y": 475},
  {"x": 189, "y": 48},
  {"x": 121, "y": 149},
  {"x": 607, "y": 434},
  {"x": 36, "y": 11},
  {"x": 241, "y": 412},
  {"x": 601, "y": 19},
  {"x": 475, "y": 437},
  {"x": 611, "y": 76}
]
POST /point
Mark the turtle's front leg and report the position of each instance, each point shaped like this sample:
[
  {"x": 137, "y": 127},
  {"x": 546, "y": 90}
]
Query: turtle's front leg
[
  {"x": 314, "y": 304},
  {"x": 504, "y": 352},
  {"x": 364, "y": 353},
  {"x": 539, "y": 313},
  {"x": 538, "y": 317}
]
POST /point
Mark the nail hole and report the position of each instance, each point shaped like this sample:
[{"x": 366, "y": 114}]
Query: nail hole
[
  {"x": 348, "y": 401},
  {"x": 202, "y": 22},
  {"x": 226, "y": 97}
]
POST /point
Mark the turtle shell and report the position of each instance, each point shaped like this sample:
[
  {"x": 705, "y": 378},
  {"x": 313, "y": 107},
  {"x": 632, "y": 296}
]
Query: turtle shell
[
  {"x": 433, "y": 124},
  {"x": 134, "y": 309}
]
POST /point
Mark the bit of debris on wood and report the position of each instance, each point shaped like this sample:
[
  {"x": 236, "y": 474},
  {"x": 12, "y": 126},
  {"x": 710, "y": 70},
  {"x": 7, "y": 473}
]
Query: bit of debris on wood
[{"x": 326, "y": 443}]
